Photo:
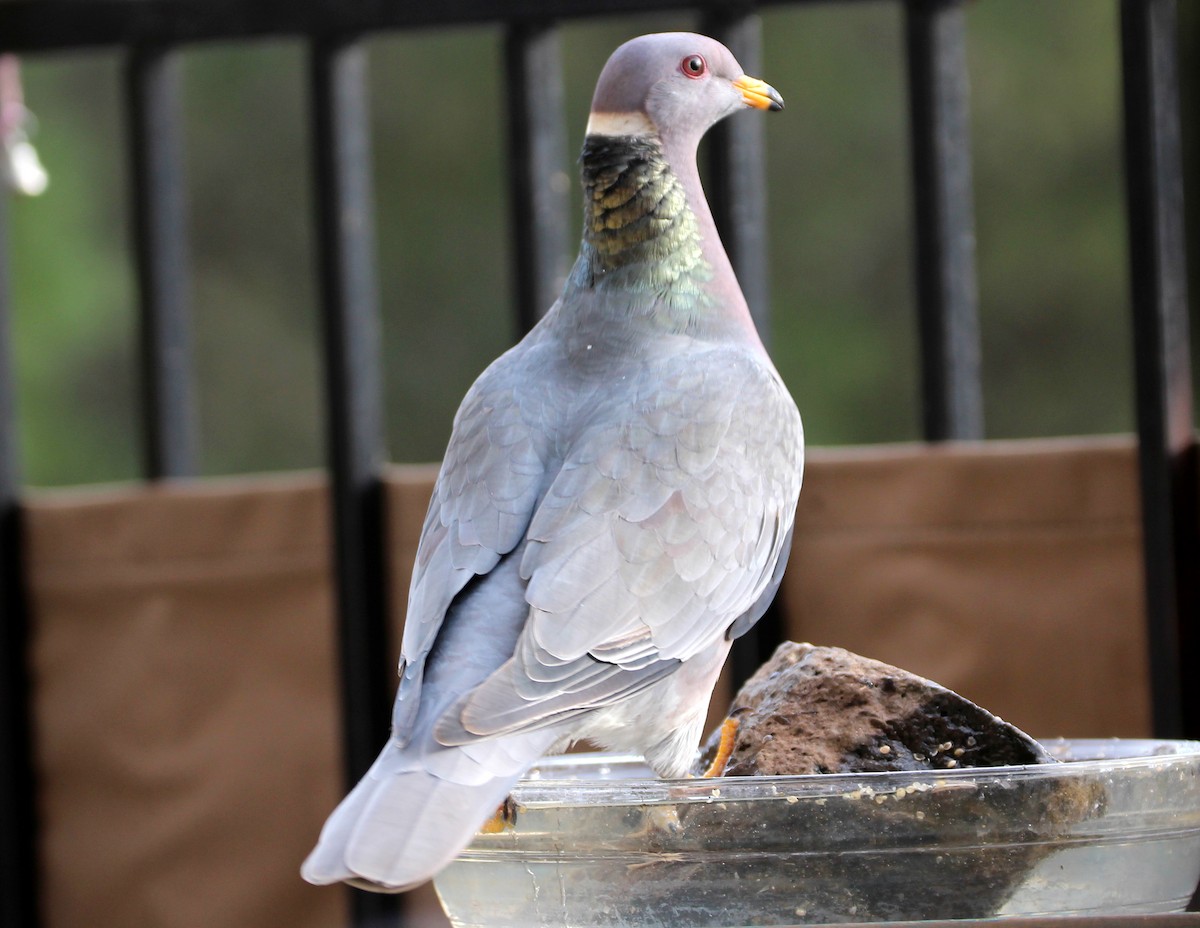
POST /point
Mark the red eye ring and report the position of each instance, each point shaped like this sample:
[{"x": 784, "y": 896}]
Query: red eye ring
[{"x": 694, "y": 66}]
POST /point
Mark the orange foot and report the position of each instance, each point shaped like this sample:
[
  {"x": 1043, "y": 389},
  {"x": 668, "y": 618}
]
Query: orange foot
[
  {"x": 728, "y": 735},
  {"x": 505, "y": 817}
]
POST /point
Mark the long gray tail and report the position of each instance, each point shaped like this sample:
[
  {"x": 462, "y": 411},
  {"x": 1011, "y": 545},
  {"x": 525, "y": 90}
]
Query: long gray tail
[{"x": 402, "y": 823}]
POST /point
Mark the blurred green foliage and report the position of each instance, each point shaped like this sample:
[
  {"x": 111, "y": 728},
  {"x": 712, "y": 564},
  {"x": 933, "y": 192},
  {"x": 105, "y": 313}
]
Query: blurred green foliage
[{"x": 1051, "y": 250}]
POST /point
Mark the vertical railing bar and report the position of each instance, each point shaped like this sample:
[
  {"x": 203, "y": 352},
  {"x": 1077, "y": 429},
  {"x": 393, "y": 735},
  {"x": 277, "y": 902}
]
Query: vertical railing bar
[
  {"x": 19, "y": 878},
  {"x": 1158, "y": 286},
  {"x": 160, "y": 243},
  {"x": 947, "y": 295},
  {"x": 354, "y": 408},
  {"x": 736, "y": 178},
  {"x": 737, "y": 193},
  {"x": 537, "y": 177}
]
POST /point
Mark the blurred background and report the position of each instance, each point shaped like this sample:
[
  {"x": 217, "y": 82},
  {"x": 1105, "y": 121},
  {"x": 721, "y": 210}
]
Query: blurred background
[{"x": 1046, "y": 115}]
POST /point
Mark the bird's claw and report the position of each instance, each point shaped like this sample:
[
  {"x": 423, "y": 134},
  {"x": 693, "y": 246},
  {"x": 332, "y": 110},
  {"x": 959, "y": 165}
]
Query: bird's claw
[
  {"x": 504, "y": 817},
  {"x": 729, "y": 730}
]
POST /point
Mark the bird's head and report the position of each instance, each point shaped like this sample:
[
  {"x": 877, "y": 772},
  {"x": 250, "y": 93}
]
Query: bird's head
[{"x": 675, "y": 84}]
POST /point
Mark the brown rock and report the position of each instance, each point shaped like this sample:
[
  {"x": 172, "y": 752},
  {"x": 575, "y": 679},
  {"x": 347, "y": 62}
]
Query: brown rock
[
  {"x": 814, "y": 710},
  {"x": 826, "y": 710}
]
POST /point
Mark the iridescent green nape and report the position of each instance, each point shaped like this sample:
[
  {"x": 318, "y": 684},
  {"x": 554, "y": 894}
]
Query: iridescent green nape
[{"x": 639, "y": 232}]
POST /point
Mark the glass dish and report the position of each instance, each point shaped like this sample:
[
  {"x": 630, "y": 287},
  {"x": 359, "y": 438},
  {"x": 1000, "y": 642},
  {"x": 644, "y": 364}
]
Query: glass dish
[{"x": 598, "y": 841}]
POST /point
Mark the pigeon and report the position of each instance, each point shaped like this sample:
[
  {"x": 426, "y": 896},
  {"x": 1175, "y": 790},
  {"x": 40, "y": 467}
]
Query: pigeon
[{"x": 615, "y": 505}]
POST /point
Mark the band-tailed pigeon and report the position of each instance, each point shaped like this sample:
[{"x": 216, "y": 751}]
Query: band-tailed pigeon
[{"x": 615, "y": 505}]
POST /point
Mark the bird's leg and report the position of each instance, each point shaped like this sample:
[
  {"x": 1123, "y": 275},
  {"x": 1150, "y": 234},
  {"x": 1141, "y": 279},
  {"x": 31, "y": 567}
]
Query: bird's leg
[
  {"x": 724, "y": 748},
  {"x": 504, "y": 817}
]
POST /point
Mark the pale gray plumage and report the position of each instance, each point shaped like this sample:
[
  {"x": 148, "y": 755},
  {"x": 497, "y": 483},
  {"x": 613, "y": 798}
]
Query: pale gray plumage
[{"x": 614, "y": 507}]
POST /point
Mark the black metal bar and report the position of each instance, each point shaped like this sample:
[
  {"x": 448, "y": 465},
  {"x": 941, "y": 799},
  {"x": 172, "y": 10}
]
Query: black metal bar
[
  {"x": 354, "y": 408},
  {"x": 19, "y": 904},
  {"x": 160, "y": 240},
  {"x": 538, "y": 181},
  {"x": 947, "y": 297},
  {"x": 737, "y": 192},
  {"x": 1166, "y": 428},
  {"x": 736, "y": 170},
  {"x": 42, "y": 25}
]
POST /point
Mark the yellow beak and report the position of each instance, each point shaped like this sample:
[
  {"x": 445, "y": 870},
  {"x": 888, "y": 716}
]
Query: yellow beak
[{"x": 758, "y": 94}]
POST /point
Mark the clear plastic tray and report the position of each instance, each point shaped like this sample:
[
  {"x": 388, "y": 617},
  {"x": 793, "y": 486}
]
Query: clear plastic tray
[{"x": 598, "y": 841}]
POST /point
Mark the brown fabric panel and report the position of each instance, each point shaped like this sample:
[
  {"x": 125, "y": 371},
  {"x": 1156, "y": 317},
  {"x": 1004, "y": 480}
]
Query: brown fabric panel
[
  {"x": 1010, "y": 572},
  {"x": 182, "y": 652},
  {"x": 186, "y": 733}
]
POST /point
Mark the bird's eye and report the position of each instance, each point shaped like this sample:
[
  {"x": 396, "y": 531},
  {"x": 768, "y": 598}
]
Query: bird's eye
[{"x": 693, "y": 66}]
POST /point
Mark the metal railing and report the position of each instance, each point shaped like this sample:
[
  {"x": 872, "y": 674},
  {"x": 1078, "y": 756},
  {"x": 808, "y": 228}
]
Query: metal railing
[{"x": 153, "y": 32}]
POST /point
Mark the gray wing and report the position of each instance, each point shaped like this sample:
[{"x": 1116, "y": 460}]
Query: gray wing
[
  {"x": 492, "y": 474},
  {"x": 662, "y": 528}
]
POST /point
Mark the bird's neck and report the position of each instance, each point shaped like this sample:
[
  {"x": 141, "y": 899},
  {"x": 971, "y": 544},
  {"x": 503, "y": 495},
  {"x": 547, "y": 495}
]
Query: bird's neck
[
  {"x": 650, "y": 248},
  {"x": 640, "y": 232}
]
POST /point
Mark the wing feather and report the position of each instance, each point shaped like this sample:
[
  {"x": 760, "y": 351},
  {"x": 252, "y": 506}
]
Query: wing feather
[
  {"x": 663, "y": 528},
  {"x": 495, "y": 469}
]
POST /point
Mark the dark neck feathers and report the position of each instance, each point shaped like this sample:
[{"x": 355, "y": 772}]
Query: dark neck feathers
[{"x": 639, "y": 233}]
